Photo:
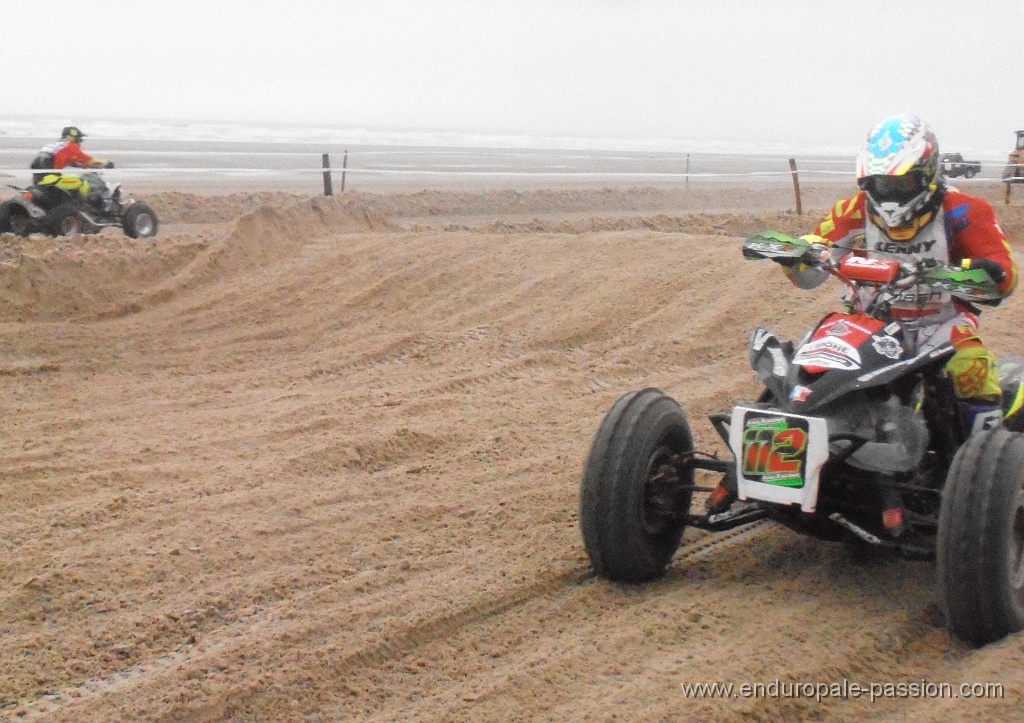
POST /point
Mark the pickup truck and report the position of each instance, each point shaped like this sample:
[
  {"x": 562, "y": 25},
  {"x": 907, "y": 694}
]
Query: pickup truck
[{"x": 953, "y": 165}]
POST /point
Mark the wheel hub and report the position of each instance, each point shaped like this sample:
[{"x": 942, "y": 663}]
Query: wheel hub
[
  {"x": 20, "y": 224},
  {"x": 660, "y": 492},
  {"x": 144, "y": 225}
]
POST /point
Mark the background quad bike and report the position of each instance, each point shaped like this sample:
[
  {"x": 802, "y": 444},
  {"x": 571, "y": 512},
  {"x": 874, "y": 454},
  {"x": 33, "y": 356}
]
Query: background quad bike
[{"x": 63, "y": 219}]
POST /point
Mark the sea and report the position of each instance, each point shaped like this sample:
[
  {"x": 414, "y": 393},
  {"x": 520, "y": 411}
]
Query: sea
[{"x": 295, "y": 155}]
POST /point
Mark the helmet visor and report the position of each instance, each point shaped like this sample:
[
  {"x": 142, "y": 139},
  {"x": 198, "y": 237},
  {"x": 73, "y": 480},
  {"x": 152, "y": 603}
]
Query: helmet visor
[{"x": 894, "y": 189}]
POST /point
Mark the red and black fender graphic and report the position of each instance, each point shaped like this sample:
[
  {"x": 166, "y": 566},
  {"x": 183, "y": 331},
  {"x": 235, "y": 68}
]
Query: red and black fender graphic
[{"x": 835, "y": 342}]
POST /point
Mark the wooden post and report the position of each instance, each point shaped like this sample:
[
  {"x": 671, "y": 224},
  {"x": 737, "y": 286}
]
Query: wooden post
[
  {"x": 1007, "y": 199},
  {"x": 796, "y": 186},
  {"x": 344, "y": 165},
  {"x": 328, "y": 191},
  {"x": 687, "y": 171}
]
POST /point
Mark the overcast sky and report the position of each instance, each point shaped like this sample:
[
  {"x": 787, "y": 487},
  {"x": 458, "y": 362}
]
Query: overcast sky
[{"x": 819, "y": 72}]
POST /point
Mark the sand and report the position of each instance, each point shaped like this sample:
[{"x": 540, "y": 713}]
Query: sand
[{"x": 308, "y": 458}]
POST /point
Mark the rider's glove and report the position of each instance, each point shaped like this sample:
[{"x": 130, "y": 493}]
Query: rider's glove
[
  {"x": 810, "y": 258},
  {"x": 817, "y": 253},
  {"x": 997, "y": 272}
]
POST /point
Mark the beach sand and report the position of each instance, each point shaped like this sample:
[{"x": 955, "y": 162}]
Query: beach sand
[{"x": 308, "y": 458}]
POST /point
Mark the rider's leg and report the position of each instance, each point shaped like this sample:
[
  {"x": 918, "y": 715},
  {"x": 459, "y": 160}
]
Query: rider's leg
[{"x": 975, "y": 377}]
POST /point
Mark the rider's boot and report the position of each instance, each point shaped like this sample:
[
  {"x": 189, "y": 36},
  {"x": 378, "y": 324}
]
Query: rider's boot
[
  {"x": 99, "y": 200},
  {"x": 977, "y": 414}
]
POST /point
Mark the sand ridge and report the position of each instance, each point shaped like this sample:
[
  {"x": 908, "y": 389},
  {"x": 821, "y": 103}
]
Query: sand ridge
[{"x": 318, "y": 459}]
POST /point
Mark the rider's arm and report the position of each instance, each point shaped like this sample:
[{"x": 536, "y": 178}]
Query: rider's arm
[
  {"x": 73, "y": 155},
  {"x": 975, "y": 234},
  {"x": 844, "y": 223}
]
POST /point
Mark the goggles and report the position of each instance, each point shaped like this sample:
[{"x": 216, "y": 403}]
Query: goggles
[{"x": 894, "y": 189}]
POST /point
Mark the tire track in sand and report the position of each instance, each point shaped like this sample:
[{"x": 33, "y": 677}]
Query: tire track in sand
[{"x": 484, "y": 608}]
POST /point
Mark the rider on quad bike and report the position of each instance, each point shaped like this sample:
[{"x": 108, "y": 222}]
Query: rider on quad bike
[
  {"x": 68, "y": 153},
  {"x": 904, "y": 208},
  {"x": 65, "y": 153},
  {"x": 66, "y": 204},
  {"x": 888, "y": 427}
]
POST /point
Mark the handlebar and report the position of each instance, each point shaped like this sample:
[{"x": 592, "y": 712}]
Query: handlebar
[
  {"x": 890, "y": 277},
  {"x": 887, "y": 274}
]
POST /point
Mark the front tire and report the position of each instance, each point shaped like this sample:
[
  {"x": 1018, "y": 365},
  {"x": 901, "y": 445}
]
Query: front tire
[
  {"x": 632, "y": 499},
  {"x": 969, "y": 173},
  {"x": 980, "y": 550},
  {"x": 140, "y": 221}
]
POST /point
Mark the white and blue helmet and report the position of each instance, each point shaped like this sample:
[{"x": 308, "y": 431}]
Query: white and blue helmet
[{"x": 898, "y": 169}]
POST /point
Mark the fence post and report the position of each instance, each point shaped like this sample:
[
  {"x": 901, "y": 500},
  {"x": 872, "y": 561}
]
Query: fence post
[
  {"x": 328, "y": 191},
  {"x": 344, "y": 165},
  {"x": 687, "y": 171},
  {"x": 796, "y": 187}
]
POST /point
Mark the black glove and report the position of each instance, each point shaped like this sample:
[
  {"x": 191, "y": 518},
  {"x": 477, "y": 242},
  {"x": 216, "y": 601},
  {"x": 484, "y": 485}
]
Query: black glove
[
  {"x": 997, "y": 272},
  {"x": 110, "y": 164},
  {"x": 812, "y": 257},
  {"x": 815, "y": 255}
]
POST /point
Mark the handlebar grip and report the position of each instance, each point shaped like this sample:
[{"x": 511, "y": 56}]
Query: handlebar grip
[{"x": 816, "y": 255}]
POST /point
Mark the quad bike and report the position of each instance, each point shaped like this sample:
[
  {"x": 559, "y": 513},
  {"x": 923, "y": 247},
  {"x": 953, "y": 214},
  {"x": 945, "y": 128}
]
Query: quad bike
[
  {"x": 57, "y": 206},
  {"x": 856, "y": 437}
]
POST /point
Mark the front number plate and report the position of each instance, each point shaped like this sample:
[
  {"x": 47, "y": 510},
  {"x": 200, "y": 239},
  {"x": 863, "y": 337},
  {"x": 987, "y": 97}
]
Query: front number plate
[{"x": 778, "y": 456}]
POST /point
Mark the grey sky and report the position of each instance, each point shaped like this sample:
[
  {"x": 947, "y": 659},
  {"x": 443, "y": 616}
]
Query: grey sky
[{"x": 819, "y": 72}]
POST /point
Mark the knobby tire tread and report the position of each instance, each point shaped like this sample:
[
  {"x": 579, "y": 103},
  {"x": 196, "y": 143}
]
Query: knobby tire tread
[
  {"x": 612, "y": 502},
  {"x": 593, "y": 504},
  {"x": 980, "y": 490}
]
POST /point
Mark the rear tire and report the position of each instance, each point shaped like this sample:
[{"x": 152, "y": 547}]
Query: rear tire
[
  {"x": 627, "y": 531},
  {"x": 140, "y": 221},
  {"x": 980, "y": 551},
  {"x": 14, "y": 219},
  {"x": 65, "y": 221},
  {"x": 5, "y": 217},
  {"x": 969, "y": 173}
]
